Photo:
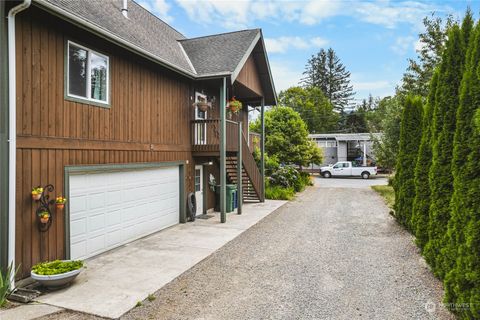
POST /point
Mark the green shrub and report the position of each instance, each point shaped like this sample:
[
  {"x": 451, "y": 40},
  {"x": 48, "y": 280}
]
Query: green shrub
[
  {"x": 6, "y": 284},
  {"x": 56, "y": 267},
  {"x": 410, "y": 135},
  {"x": 279, "y": 193},
  {"x": 286, "y": 177},
  {"x": 440, "y": 174}
]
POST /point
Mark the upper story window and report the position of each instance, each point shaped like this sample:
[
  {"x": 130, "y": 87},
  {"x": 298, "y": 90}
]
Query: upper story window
[{"x": 87, "y": 74}]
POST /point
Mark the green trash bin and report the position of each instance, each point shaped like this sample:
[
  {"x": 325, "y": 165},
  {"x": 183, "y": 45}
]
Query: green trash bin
[{"x": 231, "y": 190}]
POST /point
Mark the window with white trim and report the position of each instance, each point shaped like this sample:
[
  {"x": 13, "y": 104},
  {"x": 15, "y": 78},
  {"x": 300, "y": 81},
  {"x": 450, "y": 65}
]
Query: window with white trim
[{"x": 87, "y": 74}]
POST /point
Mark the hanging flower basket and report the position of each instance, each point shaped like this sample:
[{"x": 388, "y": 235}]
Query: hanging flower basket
[
  {"x": 234, "y": 106},
  {"x": 202, "y": 105},
  {"x": 44, "y": 217},
  {"x": 37, "y": 193},
  {"x": 60, "y": 202}
]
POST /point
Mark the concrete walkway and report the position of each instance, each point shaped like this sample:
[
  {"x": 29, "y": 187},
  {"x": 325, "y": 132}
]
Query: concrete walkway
[{"x": 114, "y": 282}]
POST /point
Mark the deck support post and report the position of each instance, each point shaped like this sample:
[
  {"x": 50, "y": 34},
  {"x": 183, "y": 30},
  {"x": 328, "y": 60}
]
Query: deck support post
[
  {"x": 223, "y": 140},
  {"x": 262, "y": 150},
  {"x": 239, "y": 170}
]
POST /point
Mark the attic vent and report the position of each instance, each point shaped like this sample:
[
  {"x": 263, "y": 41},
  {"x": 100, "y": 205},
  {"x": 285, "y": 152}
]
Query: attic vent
[{"x": 125, "y": 9}]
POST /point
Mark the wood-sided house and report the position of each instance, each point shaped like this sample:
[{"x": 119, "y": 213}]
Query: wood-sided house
[{"x": 104, "y": 106}]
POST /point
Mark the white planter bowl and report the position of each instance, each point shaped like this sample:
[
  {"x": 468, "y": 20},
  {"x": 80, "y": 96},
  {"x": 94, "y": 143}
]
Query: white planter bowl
[{"x": 56, "y": 280}]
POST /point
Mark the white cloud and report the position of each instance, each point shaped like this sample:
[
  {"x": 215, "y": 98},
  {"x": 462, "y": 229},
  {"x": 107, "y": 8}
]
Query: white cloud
[
  {"x": 244, "y": 13},
  {"x": 372, "y": 85},
  {"x": 284, "y": 75},
  {"x": 403, "y": 44},
  {"x": 283, "y": 44},
  {"x": 160, "y": 8}
]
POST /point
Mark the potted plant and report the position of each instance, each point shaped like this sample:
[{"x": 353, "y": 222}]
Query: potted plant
[
  {"x": 58, "y": 273},
  {"x": 60, "y": 202},
  {"x": 37, "y": 193},
  {"x": 44, "y": 216},
  {"x": 234, "y": 106}
]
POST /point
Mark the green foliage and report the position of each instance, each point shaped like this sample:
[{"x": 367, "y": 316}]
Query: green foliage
[
  {"x": 286, "y": 138},
  {"x": 421, "y": 203},
  {"x": 278, "y": 193},
  {"x": 313, "y": 107},
  {"x": 416, "y": 79},
  {"x": 286, "y": 177},
  {"x": 461, "y": 262},
  {"x": 386, "y": 149},
  {"x": 410, "y": 135},
  {"x": 6, "y": 283},
  {"x": 440, "y": 175},
  {"x": 387, "y": 193},
  {"x": 450, "y": 153},
  {"x": 326, "y": 72},
  {"x": 56, "y": 267}
]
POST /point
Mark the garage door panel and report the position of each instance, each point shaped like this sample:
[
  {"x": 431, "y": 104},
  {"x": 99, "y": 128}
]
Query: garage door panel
[{"x": 112, "y": 208}]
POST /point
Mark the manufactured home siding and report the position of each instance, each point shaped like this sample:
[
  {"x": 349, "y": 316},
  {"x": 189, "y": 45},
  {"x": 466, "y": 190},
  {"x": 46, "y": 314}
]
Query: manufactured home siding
[{"x": 148, "y": 121}]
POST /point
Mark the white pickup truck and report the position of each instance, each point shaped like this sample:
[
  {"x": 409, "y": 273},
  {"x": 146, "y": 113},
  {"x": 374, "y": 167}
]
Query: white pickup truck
[{"x": 346, "y": 169}]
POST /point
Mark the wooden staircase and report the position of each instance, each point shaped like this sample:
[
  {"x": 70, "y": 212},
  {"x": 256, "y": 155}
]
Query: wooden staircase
[
  {"x": 249, "y": 193},
  {"x": 251, "y": 176}
]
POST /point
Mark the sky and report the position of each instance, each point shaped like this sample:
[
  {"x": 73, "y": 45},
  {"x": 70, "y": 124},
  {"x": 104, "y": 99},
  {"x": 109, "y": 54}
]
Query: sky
[{"x": 373, "y": 39}]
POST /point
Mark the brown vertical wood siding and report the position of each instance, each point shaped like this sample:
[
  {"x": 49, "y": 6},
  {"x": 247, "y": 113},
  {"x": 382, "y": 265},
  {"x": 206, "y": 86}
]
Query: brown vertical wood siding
[
  {"x": 148, "y": 121},
  {"x": 249, "y": 76}
]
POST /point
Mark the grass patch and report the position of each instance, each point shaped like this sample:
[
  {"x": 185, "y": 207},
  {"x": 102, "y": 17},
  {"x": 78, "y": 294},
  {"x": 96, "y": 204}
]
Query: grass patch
[
  {"x": 151, "y": 297},
  {"x": 387, "y": 193},
  {"x": 279, "y": 193}
]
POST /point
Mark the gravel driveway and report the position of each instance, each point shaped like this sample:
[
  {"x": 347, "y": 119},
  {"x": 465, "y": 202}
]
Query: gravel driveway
[{"x": 333, "y": 253}]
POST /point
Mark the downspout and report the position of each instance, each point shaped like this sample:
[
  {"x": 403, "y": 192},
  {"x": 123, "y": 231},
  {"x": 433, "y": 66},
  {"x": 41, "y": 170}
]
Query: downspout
[{"x": 12, "y": 129}]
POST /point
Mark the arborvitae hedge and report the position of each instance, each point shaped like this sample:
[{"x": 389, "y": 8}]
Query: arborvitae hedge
[
  {"x": 440, "y": 175},
  {"x": 450, "y": 234},
  {"x": 456, "y": 252},
  {"x": 410, "y": 136},
  {"x": 462, "y": 174},
  {"x": 421, "y": 203}
]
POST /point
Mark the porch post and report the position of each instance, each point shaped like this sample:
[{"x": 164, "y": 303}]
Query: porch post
[
  {"x": 239, "y": 170},
  {"x": 223, "y": 141},
  {"x": 364, "y": 153},
  {"x": 262, "y": 150}
]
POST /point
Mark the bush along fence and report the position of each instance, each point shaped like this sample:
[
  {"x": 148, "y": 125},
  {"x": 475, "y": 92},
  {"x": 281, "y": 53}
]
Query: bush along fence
[{"x": 437, "y": 183}]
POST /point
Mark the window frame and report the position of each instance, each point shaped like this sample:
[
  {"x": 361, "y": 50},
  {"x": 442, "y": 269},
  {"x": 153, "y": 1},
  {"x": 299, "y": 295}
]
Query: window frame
[{"x": 86, "y": 100}]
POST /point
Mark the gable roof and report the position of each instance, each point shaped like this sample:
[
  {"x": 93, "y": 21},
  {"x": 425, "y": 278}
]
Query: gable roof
[
  {"x": 219, "y": 53},
  {"x": 142, "y": 32}
]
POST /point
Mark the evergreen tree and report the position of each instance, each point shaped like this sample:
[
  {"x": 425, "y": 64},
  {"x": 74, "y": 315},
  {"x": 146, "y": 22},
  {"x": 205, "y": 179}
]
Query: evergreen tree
[
  {"x": 421, "y": 203},
  {"x": 327, "y": 72},
  {"x": 465, "y": 184},
  {"x": 440, "y": 175},
  {"x": 410, "y": 136},
  {"x": 417, "y": 78}
]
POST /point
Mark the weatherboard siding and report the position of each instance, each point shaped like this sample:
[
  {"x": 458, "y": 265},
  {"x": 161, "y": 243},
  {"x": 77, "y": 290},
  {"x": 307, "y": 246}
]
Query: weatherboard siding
[{"x": 148, "y": 121}]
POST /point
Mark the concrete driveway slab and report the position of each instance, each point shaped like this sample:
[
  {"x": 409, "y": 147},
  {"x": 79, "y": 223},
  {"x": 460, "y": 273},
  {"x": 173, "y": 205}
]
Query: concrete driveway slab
[{"x": 115, "y": 281}]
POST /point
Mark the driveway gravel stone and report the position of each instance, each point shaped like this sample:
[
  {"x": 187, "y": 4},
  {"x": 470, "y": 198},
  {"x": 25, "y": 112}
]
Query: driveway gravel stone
[{"x": 332, "y": 253}]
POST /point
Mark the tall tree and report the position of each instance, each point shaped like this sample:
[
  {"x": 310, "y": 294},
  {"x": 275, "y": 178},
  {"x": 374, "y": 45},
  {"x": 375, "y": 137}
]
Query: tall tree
[
  {"x": 410, "y": 135},
  {"x": 286, "y": 137},
  {"x": 421, "y": 203},
  {"x": 313, "y": 107},
  {"x": 432, "y": 43},
  {"x": 386, "y": 149},
  {"x": 440, "y": 175},
  {"x": 463, "y": 174},
  {"x": 327, "y": 72}
]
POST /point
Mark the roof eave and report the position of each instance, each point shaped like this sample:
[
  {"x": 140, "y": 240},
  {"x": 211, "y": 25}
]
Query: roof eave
[{"x": 99, "y": 31}]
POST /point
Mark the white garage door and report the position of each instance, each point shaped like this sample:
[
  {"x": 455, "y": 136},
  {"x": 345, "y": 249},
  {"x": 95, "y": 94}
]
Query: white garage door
[{"x": 109, "y": 209}]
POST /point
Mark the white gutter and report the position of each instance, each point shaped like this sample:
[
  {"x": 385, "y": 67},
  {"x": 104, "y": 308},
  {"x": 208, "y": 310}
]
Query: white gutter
[{"x": 12, "y": 129}]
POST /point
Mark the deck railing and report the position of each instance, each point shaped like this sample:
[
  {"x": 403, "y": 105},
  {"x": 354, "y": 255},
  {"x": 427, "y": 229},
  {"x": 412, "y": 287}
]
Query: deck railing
[{"x": 206, "y": 139}]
